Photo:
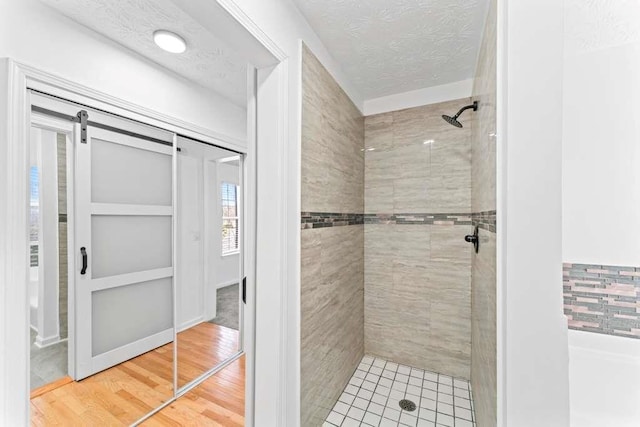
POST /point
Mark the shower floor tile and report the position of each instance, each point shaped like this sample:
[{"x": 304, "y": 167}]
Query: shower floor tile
[{"x": 372, "y": 398}]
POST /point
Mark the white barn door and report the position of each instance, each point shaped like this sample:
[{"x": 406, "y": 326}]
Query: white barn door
[{"x": 124, "y": 274}]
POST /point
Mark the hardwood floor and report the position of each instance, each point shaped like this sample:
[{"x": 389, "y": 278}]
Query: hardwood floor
[
  {"x": 202, "y": 347},
  {"x": 49, "y": 387},
  {"x": 124, "y": 393},
  {"x": 219, "y": 401}
]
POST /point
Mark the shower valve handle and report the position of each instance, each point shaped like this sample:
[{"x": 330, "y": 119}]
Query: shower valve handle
[{"x": 473, "y": 238}]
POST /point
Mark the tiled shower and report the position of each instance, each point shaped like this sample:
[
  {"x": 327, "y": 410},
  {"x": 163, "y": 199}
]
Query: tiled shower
[
  {"x": 417, "y": 264},
  {"x": 395, "y": 305}
]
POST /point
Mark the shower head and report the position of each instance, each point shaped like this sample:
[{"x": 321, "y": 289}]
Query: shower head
[{"x": 454, "y": 120}]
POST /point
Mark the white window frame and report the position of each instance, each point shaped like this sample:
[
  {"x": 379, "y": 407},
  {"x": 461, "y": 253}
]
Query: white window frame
[{"x": 235, "y": 251}]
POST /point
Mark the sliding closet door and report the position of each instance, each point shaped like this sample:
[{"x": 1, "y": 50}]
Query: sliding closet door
[
  {"x": 124, "y": 279},
  {"x": 209, "y": 307}
]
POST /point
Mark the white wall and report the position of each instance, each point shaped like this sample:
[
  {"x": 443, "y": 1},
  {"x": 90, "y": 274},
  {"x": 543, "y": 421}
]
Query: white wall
[
  {"x": 533, "y": 352},
  {"x": 601, "y": 140},
  {"x": 36, "y": 35},
  {"x": 190, "y": 250}
]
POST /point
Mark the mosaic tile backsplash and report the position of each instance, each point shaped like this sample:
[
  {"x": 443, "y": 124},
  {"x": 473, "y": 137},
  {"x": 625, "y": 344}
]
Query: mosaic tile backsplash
[{"x": 602, "y": 298}]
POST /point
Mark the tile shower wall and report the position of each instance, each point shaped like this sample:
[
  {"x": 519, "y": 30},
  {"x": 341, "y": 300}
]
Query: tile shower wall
[
  {"x": 417, "y": 265},
  {"x": 332, "y": 241},
  {"x": 483, "y": 203}
]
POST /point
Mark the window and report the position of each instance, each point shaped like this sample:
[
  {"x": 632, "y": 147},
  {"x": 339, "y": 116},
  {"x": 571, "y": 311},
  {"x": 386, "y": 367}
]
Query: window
[{"x": 229, "y": 218}]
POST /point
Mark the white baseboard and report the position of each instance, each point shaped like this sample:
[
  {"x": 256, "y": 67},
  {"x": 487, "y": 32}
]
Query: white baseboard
[
  {"x": 190, "y": 323},
  {"x": 48, "y": 341}
]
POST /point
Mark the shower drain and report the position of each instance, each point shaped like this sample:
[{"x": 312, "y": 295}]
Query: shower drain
[{"x": 407, "y": 405}]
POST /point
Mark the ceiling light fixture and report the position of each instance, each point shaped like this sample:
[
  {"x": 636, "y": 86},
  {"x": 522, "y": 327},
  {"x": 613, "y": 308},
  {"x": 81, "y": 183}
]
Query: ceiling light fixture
[{"x": 171, "y": 42}]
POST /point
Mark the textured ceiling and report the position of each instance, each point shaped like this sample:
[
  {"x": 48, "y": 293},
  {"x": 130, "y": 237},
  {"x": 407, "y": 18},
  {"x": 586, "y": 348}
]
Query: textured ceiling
[
  {"x": 392, "y": 46},
  {"x": 208, "y": 61}
]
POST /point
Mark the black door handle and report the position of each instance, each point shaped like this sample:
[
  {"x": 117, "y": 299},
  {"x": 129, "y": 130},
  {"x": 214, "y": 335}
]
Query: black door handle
[
  {"x": 83, "y": 251},
  {"x": 244, "y": 290},
  {"x": 473, "y": 238}
]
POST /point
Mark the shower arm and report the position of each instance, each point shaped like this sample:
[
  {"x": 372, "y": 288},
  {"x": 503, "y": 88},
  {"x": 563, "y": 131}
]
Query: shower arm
[{"x": 474, "y": 106}]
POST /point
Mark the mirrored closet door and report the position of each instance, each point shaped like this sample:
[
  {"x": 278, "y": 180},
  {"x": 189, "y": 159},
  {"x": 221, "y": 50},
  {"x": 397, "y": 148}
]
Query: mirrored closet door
[
  {"x": 136, "y": 264},
  {"x": 101, "y": 249},
  {"x": 209, "y": 281}
]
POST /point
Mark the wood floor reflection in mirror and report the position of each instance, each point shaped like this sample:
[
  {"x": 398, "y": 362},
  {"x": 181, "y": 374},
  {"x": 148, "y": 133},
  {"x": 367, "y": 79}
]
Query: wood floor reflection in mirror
[
  {"x": 202, "y": 347},
  {"x": 124, "y": 393},
  {"x": 218, "y": 401}
]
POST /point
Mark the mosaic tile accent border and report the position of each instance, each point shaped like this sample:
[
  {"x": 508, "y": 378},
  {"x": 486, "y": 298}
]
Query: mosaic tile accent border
[
  {"x": 485, "y": 220},
  {"x": 602, "y": 298},
  {"x": 419, "y": 218},
  {"x": 329, "y": 219}
]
